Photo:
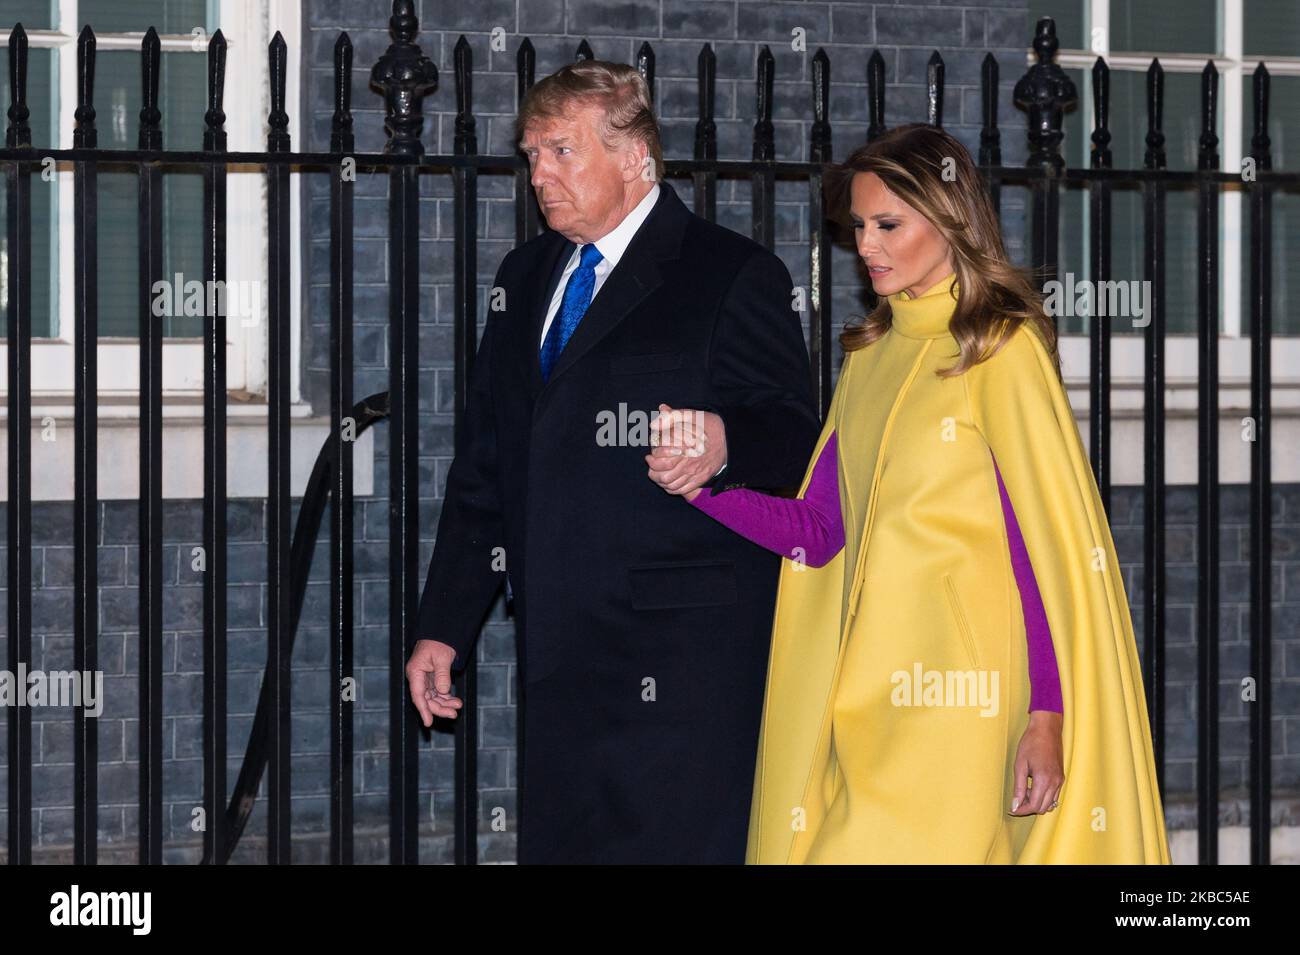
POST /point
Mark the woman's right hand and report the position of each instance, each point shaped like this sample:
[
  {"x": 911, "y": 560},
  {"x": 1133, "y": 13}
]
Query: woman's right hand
[{"x": 676, "y": 435}]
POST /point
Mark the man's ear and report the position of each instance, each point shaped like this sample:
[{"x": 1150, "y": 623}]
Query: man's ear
[{"x": 636, "y": 159}]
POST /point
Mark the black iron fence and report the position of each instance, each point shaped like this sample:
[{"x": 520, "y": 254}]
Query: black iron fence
[{"x": 404, "y": 76}]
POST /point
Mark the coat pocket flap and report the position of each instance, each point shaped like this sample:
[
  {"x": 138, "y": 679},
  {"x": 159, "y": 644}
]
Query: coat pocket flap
[
  {"x": 704, "y": 583},
  {"x": 644, "y": 364}
]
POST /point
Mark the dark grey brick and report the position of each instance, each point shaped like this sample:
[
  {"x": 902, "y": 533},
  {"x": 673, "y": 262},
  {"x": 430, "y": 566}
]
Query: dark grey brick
[
  {"x": 626, "y": 17},
  {"x": 918, "y": 26},
  {"x": 539, "y": 16}
]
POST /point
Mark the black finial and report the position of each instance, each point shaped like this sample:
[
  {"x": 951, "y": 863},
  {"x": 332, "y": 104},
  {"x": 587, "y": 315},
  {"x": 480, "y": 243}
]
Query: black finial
[
  {"x": 1046, "y": 92},
  {"x": 404, "y": 75}
]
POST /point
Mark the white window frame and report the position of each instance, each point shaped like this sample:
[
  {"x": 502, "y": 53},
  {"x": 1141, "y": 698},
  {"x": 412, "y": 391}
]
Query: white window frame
[
  {"x": 248, "y": 26},
  {"x": 1234, "y": 344}
]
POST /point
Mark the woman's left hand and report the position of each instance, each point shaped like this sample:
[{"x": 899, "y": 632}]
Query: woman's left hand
[{"x": 1039, "y": 756}]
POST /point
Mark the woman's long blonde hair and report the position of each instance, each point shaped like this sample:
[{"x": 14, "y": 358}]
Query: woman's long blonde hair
[{"x": 933, "y": 173}]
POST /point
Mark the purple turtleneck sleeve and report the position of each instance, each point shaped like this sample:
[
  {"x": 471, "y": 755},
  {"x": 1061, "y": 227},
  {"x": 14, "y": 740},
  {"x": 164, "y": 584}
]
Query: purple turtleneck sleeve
[{"x": 811, "y": 528}]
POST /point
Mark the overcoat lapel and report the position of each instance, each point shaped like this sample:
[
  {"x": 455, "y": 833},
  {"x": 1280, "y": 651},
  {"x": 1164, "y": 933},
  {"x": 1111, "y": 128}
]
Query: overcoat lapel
[{"x": 636, "y": 276}]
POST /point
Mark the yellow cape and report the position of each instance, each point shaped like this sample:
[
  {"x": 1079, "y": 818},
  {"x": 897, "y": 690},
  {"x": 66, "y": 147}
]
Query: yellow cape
[{"x": 925, "y": 575}]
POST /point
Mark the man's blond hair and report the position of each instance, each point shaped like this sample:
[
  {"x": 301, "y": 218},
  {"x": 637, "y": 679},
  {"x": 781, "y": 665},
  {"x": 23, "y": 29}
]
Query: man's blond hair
[{"x": 620, "y": 89}]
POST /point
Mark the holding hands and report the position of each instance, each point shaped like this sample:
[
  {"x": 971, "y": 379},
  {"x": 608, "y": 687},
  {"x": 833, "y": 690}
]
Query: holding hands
[{"x": 689, "y": 449}]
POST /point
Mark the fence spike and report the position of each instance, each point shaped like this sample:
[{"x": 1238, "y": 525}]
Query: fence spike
[
  {"x": 1101, "y": 157},
  {"x": 277, "y": 139},
  {"x": 1208, "y": 152},
  {"x": 990, "y": 135},
  {"x": 645, "y": 63},
  {"x": 1260, "y": 144},
  {"x": 466, "y": 140},
  {"x": 150, "y": 116},
  {"x": 342, "y": 139},
  {"x": 934, "y": 89},
  {"x": 819, "y": 148},
  {"x": 214, "y": 133},
  {"x": 1155, "y": 154},
  {"x": 525, "y": 69},
  {"x": 764, "y": 142},
  {"x": 84, "y": 134},
  {"x": 706, "y": 130},
  {"x": 875, "y": 95}
]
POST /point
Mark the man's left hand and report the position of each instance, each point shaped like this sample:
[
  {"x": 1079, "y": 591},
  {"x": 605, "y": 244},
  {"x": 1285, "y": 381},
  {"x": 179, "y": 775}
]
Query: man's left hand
[{"x": 690, "y": 447}]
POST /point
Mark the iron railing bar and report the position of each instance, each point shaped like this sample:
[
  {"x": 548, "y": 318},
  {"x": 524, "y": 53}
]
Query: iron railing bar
[
  {"x": 1207, "y": 485},
  {"x": 465, "y": 296},
  {"x": 279, "y": 567},
  {"x": 341, "y": 513},
  {"x": 85, "y": 598},
  {"x": 215, "y": 577},
  {"x": 1153, "y": 416},
  {"x": 150, "y": 231},
  {"x": 1260, "y": 770},
  {"x": 18, "y": 506},
  {"x": 404, "y": 76}
]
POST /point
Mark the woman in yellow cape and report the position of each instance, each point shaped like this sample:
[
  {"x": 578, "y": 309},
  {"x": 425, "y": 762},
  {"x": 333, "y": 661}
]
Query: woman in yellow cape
[{"x": 895, "y": 725}]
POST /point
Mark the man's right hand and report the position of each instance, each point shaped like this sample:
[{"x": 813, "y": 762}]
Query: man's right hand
[{"x": 428, "y": 673}]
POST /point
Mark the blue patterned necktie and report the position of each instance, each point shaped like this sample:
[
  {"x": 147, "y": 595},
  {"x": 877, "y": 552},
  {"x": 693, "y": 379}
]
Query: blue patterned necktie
[{"x": 577, "y": 296}]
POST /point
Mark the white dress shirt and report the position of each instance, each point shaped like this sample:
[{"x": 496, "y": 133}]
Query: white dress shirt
[{"x": 611, "y": 246}]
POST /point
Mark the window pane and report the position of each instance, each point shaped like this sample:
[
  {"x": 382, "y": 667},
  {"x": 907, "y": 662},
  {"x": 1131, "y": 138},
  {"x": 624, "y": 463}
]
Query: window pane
[
  {"x": 1272, "y": 28},
  {"x": 41, "y": 99},
  {"x": 32, "y": 14},
  {"x": 1072, "y": 230},
  {"x": 127, "y": 16},
  {"x": 1182, "y": 131},
  {"x": 1164, "y": 26},
  {"x": 1068, "y": 15},
  {"x": 1284, "y": 134},
  {"x": 181, "y": 86}
]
